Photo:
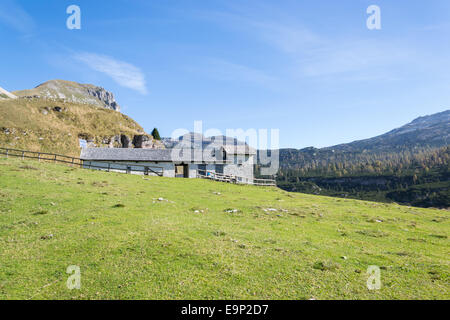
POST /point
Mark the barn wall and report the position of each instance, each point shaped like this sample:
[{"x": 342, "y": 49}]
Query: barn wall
[
  {"x": 242, "y": 166},
  {"x": 119, "y": 166},
  {"x": 193, "y": 170}
]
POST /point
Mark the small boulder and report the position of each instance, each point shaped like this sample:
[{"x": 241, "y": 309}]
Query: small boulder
[{"x": 143, "y": 141}]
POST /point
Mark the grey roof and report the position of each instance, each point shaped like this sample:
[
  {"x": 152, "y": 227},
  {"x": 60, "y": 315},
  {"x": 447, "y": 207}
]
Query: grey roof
[
  {"x": 160, "y": 155},
  {"x": 198, "y": 140}
]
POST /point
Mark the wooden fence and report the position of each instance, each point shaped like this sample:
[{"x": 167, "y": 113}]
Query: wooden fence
[
  {"x": 206, "y": 174},
  {"x": 73, "y": 161},
  {"x": 41, "y": 156}
]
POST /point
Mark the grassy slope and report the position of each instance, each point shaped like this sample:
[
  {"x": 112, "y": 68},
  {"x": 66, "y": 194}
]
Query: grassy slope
[
  {"x": 163, "y": 249},
  {"x": 59, "y": 130},
  {"x": 70, "y": 90}
]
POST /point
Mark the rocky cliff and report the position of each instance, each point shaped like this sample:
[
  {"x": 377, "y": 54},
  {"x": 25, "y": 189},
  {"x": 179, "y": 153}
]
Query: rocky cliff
[{"x": 72, "y": 92}]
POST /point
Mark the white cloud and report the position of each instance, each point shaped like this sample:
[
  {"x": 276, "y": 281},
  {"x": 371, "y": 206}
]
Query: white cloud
[
  {"x": 123, "y": 73},
  {"x": 15, "y": 17}
]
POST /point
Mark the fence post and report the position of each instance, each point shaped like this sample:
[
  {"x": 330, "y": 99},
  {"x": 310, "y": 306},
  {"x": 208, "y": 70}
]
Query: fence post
[
  {"x": 7, "y": 151},
  {"x": 54, "y": 159},
  {"x": 39, "y": 157},
  {"x": 23, "y": 155}
]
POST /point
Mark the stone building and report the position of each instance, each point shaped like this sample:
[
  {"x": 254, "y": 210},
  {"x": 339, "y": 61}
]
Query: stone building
[{"x": 235, "y": 161}]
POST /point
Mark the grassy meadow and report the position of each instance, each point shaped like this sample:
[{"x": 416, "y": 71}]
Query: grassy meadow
[{"x": 137, "y": 237}]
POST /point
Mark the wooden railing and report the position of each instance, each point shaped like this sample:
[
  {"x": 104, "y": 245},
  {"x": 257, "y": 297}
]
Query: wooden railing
[
  {"x": 265, "y": 182},
  {"x": 124, "y": 167},
  {"x": 207, "y": 174},
  {"x": 73, "y": 161},
  {"x": 41, "y": 156}
]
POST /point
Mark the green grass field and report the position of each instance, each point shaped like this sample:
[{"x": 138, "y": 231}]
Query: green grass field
[{"x": 207, "y": 240}]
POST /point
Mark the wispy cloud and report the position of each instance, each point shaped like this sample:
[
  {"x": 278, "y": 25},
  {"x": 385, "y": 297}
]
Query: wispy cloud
[
  {"x": 15, "y": 17},
  {"x": 354, "y": 59},
  {"x": 227, "y": 71},
  {"x": 123, "y": 73},
  {"x": 310, "y": 54},
  {"x": 276, "y": 28}
]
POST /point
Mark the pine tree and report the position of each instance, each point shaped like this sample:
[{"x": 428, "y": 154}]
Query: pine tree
[{"x": 155, "y": 134}]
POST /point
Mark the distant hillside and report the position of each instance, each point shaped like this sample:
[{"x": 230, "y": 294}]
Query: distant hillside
[
  {"x": 55, "y": 115},
  {"x": 423, "y": 133},
  {"x": 72, "y": 92},
  {"x": 427, "y": 131},
  {"x": 197, "y": 140},
  {"x": 408, "y": 165},
  {"x": 41, "y": 125}
]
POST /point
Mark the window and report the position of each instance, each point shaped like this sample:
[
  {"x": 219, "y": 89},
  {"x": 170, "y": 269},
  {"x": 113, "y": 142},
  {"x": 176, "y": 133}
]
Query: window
[
  {"x": 202, "y": 169},
  {"x": 219, "y": 168}
]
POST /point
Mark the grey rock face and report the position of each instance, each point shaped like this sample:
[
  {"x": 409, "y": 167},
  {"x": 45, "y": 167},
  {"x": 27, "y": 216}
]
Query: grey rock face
[
  {"x": 105, "y": 96},
  {"x": 106, "y": 140},
  {"x": 125, "y": 141},
  {"x": 72, "y": 92},
  {"x": 143, "y": 141}
]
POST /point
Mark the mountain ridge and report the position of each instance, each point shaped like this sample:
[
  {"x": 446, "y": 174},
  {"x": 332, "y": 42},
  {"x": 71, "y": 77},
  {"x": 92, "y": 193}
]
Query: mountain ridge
[
  {"x": 425, "y": 131},
  {"x": 72, "y": 92},
  {"x": 408, "y": 165},
  {"x": 434, "y": 129}
]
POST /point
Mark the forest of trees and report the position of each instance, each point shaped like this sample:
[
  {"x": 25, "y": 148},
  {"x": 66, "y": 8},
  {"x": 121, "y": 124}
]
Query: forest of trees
[
  {"x": 418, "y": 177},
  {"x": 330, "y": 164}
]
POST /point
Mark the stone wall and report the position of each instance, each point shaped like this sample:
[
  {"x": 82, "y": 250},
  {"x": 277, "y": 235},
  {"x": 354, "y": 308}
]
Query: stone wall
[{"x": 242, "y": 166}]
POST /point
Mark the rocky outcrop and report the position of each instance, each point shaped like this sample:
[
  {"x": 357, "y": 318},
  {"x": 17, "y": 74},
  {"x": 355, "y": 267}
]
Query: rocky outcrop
[
  {"x": 125, "y": 141},
  {"x": 143, "y": 141},
  {"x": 104, "y": 96},
  {"x": 72, "y": 92}
]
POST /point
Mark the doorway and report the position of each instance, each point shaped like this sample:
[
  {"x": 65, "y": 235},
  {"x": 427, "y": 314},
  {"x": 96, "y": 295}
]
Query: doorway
[{"x": 182, "y": 171}]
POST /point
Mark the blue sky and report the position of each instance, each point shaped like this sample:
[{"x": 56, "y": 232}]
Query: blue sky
[{"x": 311, "y": 69}]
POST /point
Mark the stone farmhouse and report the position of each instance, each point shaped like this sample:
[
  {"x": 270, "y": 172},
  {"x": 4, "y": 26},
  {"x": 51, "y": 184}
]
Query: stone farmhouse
[{"x": 231, "y": 161}]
